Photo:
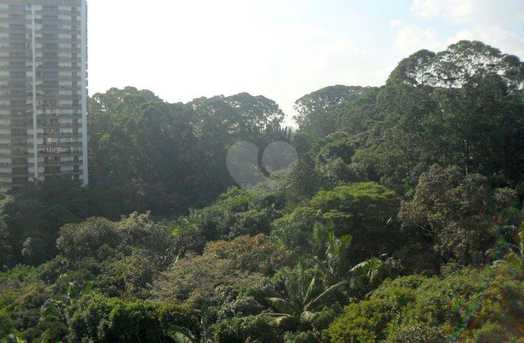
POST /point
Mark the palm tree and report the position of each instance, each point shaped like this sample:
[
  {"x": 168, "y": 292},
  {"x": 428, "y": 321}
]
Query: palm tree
[
  {"x": 330, "y": 250},
  {"x": 301, "y": 297}
]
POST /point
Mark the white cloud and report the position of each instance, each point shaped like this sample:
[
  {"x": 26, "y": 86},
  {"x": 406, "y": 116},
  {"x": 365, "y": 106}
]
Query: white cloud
[
  {"x": 472, "y": 12},
  {"x": 410, "y": 38},
  {"x": 455, "y": 9},
  {"x": 395, "y": 23},
  {"x": 491, "y": 21}
]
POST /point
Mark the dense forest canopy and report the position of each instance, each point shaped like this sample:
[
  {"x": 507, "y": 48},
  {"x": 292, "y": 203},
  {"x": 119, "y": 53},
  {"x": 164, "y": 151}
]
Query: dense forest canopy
[{"x": 400, "y": 221}]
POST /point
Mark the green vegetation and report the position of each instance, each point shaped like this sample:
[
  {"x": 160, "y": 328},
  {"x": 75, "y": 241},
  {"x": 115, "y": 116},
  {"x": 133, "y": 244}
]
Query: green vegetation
[
  {"x": 401, "y": 221},
  {"x": 472, "y": 304}
]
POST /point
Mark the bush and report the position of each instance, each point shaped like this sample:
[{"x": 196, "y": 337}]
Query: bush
[
  {"x": 491, "y": 332},
  {"x": 6, "y": 324},
  {"x": 241, "y": 262},
  {"x": 362, "y": 322},
  {"x": 235, "y": 213},
  {"x": 365, "y": 210},
  {"x": 417, "y": 333},
  {"x": 82, "y": 240},
  {"x": 301, "y": 337},
  {"x": 100, "y": 319},
  {"x": 470, "y": 303},
  {"x": 250, "y": 328}
]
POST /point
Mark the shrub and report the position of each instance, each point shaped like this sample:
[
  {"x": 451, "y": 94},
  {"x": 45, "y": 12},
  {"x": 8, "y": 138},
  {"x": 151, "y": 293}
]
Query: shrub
[
  {"x": 468, "y": 304},
  {"x": 100, "y": 319},
  {"x": 244, "y": 329}
]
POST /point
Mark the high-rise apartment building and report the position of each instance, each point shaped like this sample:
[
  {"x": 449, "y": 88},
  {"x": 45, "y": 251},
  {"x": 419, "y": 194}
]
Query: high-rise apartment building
[{"x": 43, "y": 90}]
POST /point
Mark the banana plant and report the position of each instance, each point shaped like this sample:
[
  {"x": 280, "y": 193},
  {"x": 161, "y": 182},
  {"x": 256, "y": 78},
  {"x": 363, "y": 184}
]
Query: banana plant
[
  {"x": 367, "y": 275},
  {"x": 329, "y": 257},
  {"x": 302, "y": 296},
  {"x": 369, "y": 269}
]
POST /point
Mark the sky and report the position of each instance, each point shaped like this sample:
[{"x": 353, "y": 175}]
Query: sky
[{"x": 282, "y": 49}]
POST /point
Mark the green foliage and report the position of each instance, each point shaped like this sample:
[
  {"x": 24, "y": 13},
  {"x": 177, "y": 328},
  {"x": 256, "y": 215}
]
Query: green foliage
[
  {"x": 301, "y": 292},
  {"x": 300, "y": 337},
  {"x": 6, "y": 324},
  {"x": 456, "y": 210},
  {"x": 334, "y": 160},
  {"x": 177, "y": 150},
  {"x": 447, "y": 108},
  {"x": 116, "y": 258},
  {"x": 330, "y": 253},
  {"x": 242, "y": 262},
  {"x": 235, "y": 213},
  {"x": 369, "y": 274},
  {"x": 22, "y": 296},
  {"x": 32, "y": 217},
  {"x": 366, "y": 211},
  {"x": 100, "y": 319},
  {"x": 521, "y": 239},
  {"x": 246, "y": 329},
  {"x": 464, "y": 304},
  {"x": 491, "y": 332},
  {"x": 100, "y": 238},
  {"x": 83, "y": 240},
  {"x": 322, "y": 112},
  {"x": 355, "y": 199},
  {"x": 295, "y": 230},
  {"x": 365, "y": 322},
  {"x": 302, "y": 182},
  {"x": 417, "y": 333}
]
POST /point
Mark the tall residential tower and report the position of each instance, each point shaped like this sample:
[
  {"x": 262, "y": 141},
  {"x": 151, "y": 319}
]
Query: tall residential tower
[{"x": 43, "y": 90}]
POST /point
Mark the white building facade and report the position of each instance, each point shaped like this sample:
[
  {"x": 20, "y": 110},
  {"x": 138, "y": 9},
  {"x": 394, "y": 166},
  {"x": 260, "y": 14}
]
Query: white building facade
[{"x": 43, "y": 90}]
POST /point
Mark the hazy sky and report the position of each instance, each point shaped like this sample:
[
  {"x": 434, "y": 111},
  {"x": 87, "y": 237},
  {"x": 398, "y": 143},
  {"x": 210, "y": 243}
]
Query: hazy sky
[{"x": 283, "y": 49}]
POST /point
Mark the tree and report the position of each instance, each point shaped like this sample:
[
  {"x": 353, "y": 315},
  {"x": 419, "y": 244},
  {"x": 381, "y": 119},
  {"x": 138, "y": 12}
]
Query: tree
[
  {"x": 334, "y": 160},
  {"x": 169, "y": 157},
  {"x": 101, "y": 319},
  {"x": 324, "y": 111},
  {"x": 241, "y": 262},
  {"x": 142, "y": 149},
  {"x": 454, "y": 210},
  {"x": 32, "y": 216},
  {"x": 117, "y": 258},
  {"x": 246, "y": 329},
  {"x": 449, "y": 108},
  {"x": 298, "y": 297},
  {"x": 330, "y": 254},
  {"x": 221, "y": 122},
  {"x": 461, "y": 306},
  {"x": 366, "y": 211},
  {"x": 78, "y": 241},
  {"x": 235, "y": 213},
  {"x": 456, "y": 65}
]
